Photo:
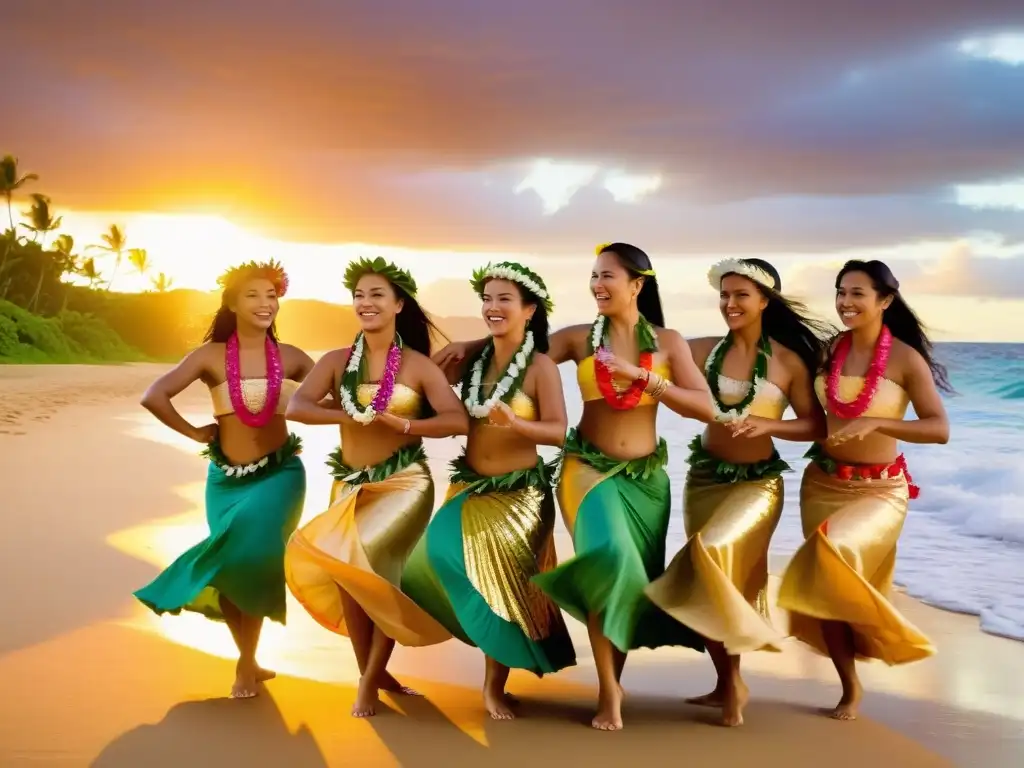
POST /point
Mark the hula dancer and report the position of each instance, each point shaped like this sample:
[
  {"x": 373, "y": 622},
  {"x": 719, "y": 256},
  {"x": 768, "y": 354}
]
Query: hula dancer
[
  {"x": 614, "y": 491},
  {"x": 473, "y": 567},
  {"x": 255, "y": 482},
  {"x": 346, "y": 564},
  {"x": 733, "y": 499},
  {"x": 855, "y": 491}
]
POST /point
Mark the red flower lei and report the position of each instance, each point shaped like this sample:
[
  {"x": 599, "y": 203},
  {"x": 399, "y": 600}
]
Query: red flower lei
[
  {"x": 629, "y": 399},
  {"x": 876, "y": 371},
  {"x": 275, "y": 376}
]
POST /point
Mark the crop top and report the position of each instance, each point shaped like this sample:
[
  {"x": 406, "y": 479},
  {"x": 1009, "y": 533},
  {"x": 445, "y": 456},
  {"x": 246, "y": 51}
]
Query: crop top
[
  {"x": 769, "y": 402},
  {"x": 254, "y": 395},
  {"x": 586, "y": 377},
  {"x": 890, "y": 400}
]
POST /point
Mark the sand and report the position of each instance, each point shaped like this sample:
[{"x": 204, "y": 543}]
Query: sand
[{"x": 96, "y": 498}]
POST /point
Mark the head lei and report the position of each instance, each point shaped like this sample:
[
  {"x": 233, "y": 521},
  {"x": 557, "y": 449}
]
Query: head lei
[
  {"x": 608, "y": 247},
  {"x": 269, "y": 270},
  {"x": 743, "y": 269},
  {"x": 379, "y": 266},
  {"x": 514, "y": 273}
]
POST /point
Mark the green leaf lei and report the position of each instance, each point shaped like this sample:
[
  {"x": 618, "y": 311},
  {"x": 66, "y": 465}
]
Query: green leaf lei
[
  {"x": 646, "y": 335},
  {"x": 396, "y": 462},
  {"x": 702, "y": 460},
  {"x": 637, "y": 469},
  {"x": 759, "y": 376},
  {"x": 540, "y": 475},
  {"x": 215, "y": 454},
  {"x": 379, "y": 266}
]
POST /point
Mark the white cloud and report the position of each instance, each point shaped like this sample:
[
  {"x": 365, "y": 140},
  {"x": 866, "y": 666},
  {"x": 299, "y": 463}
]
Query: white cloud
[
  {"x": 1007, "y": 48},
  {"x": 627, "y": 188},
  {"x": 1001, "y": 196},
  {"x": 556, "y": 183}
]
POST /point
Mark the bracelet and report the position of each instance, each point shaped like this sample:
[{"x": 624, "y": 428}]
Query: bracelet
[
  {"x": 661, "y": 384},
  {"x": 408, "y": 426}
]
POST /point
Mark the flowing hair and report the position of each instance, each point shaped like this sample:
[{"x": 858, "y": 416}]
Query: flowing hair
[
  {"x": 790, "y": 323},
  {"x": 413, "y": 324},
  {"x": 637, "y": 263},
  {"x": 538, "y": 324},
  {"x": 898, "y": 317}
]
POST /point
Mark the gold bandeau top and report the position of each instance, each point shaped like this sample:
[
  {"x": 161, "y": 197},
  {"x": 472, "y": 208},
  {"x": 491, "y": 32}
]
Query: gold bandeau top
[
  {"x": 522, "y": 405},
  {"x": 586, "y": 377},
  {"x": 405, "y": 403},
  {"x": 890, "y": 400},
  {"x": 769, "y": 403},
  {"x": 254, "y": 395}
]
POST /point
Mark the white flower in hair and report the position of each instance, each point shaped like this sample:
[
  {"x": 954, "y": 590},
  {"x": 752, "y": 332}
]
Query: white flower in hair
[{"x": 735, "y": 266}]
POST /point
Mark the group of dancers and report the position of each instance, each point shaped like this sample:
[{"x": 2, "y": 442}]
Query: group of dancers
[{"x": 380, "y": 566}]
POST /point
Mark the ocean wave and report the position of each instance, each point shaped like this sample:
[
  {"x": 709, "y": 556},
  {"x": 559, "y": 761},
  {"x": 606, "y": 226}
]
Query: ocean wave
[{"x": 1013, "y": 391}]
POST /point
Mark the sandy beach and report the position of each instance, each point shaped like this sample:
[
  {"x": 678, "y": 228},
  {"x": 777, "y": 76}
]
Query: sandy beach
[{"x": 97, "y": 497}]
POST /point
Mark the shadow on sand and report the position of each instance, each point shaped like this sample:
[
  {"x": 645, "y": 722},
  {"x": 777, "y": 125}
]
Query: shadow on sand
[{"x": 215, "y": 733}]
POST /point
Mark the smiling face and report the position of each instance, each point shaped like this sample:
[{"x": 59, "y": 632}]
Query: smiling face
[
  {"x": 613, "y": 286},
  {"x": 375, "y": 302},
  {"x": 857, "y": 301},
  {"x": 741, "y": 302},
  {"x": 503, "y": 308},
  {"x": 256, "y": 304}
]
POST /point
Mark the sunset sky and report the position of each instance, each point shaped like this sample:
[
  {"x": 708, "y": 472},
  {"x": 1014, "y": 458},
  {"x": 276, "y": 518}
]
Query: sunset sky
[{"x": 447, "y": 133}]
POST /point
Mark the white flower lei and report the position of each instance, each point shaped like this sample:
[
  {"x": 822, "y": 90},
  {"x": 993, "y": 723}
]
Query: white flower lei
[
  {"x": 735, "y": 266},
  {"x": 355, "y": 412},
  {"x": 515, "y": 276},
  {"x": 724, "y": 417},
  {"x": 520, "y": 362}
]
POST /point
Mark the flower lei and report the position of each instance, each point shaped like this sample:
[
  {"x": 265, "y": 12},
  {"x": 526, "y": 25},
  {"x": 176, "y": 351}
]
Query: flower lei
[
  {"x": 514, "y": 273},
  {"x": 509, "y": 382},
  {"x": 349, "y": 390},
  {"x": 647, "y": 340},
  {"x": 758, "y": 377},
  {"x": 876, "y": 371},
  {"x": 275, "y": 375}
]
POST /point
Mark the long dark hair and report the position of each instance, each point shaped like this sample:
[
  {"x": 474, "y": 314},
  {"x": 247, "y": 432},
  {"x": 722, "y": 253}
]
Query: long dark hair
[
  {"x": 901, "y": 320},
  {"x": 413, "y": 324},
  {"x": 538, "y": 324},
  {"x": 790, "y": 323},
  {"x": 636, "y": 262},
  {"x": 225, "y": 322}
]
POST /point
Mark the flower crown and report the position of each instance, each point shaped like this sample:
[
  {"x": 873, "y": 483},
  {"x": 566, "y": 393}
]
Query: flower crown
[
  {"x": 515, "y": 273},
  {"x": 607, "y": 246},
  {"x": 742, "y": 268},
  {"x": 379, "y": 266},
  {"x": 271, "y": 270}
]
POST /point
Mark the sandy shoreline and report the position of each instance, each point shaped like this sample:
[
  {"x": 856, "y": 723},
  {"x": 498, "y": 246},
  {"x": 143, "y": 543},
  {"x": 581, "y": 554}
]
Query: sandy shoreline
[{"x": 93, "y": 501}]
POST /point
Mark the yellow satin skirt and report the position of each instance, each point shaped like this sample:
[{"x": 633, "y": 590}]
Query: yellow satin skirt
[
  {"x": 717, "y": 583},
  {"x": 359, "y": 548},
  {"x": 844, "y": 569}
]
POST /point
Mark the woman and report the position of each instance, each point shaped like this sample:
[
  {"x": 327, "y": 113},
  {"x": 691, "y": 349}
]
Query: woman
[
  {"x": 473, "y": 567},
  {"x": 614, "y": 491},
  {"x": 855, "y": 491},
  {"x": 733, "y": 499},
  {"x": 255, "y": 482},
  {"x": 346, "y": 564}
]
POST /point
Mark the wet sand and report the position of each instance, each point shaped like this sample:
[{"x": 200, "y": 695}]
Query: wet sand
[{"x": 97, "y": 498}]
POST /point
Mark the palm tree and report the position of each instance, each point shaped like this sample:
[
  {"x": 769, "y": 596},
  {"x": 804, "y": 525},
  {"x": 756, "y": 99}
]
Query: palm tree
[
  {"x": 41, "y": 223},
  {"x": 89, "y": 272},
  {"x": 67, "y": 262},
  {"x": 161, "y": 283},
  {"x": 115, "y": 242},
  {"x": 10, "y": 182},
  {"x": 139, "y": 258}
]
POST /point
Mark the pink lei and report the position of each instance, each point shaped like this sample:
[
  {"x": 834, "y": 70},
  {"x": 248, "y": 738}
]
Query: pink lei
[
  {"x": 275, "y": 376},
  {"x": 876, "y": 371}
]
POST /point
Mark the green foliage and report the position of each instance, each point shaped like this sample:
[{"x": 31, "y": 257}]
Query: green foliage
[{"x": 70, "y": 337}]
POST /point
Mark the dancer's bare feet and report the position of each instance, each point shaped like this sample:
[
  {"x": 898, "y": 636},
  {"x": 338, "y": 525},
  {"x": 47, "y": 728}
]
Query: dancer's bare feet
[
  {"x": 245, "y": 681},
  {"x": 715, "y": 699},
  {"x": 735, "y": 700},
  {"x": 609, "y": 711},
  {"x": 391, "y": 685},
  {"x": 262, "y": 675},
  {"x": 850, "y": 703},
  {"x": 366, "y": 699},
  {"x": 497, "y": 704}
]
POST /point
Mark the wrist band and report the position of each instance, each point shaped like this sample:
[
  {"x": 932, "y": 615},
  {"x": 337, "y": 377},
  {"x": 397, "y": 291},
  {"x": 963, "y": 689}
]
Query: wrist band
[{"x": 408, "y": 426}]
